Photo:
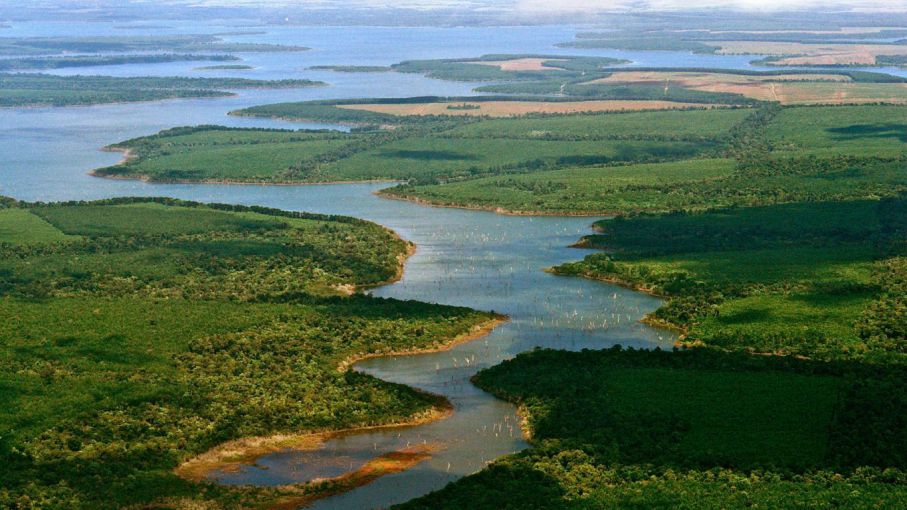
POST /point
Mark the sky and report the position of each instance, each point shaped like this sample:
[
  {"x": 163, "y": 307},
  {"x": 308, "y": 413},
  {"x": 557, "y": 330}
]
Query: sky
[{"x": 591, "y": 5}]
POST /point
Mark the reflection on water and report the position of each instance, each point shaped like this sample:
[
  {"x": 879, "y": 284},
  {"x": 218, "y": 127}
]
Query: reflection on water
[{"x": 469, "y": 258}]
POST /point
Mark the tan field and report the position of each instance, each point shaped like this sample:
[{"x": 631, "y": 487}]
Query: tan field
[
  {"x": 786, "y": 89},
  {"x": 517, "y": 108},
  {"x": 697, "y": 80},
  {"x": 520, "y": 64},
  {"x": 842, "y": 30},
  {"x": 811, "y": 54},
  {"x": 840, "y": 93}
]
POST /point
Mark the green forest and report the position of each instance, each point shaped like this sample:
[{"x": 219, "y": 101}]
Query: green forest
[
  {"x": 29, "y": 89},
  {"x": 693, "y": 429},
  {"x": 137, "y": 333}
]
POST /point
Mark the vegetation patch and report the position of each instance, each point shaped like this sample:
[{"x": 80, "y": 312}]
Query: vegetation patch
[
  {"x": 839, "y": 131},
  {"x": 139, "y": 333},
  {"x": 182, "y": 43},
  {"x": 39, "y": 63},
  {"x": 216, "y": 154},
  {"x": 692, "y": 429},
  {"x": 797, "y": 279},
  {"x": 418, "y": 148},
  {"x": 518, "y": 108},
  {"x": 507, "y": 67},
  {"x": 226, "y": 67},
  {"x": 590, "y": 191},
  {"x": 18, "y": 90}
]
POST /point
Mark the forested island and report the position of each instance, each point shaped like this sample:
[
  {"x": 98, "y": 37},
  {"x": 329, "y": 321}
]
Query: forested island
[
  {"x": 43, "y": 63},
  {"x": 24, "y": 89}
]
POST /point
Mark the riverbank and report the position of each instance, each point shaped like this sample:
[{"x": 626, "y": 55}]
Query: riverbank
[
  {"x": 233, "y": 455},
  {"x": 490, "y": 208},
  {"x": 129, "y": 155}
]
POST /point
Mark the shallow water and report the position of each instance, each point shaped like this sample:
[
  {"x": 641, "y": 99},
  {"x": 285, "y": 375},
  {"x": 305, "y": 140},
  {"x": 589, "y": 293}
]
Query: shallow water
[{"x": 469, "y": 258}]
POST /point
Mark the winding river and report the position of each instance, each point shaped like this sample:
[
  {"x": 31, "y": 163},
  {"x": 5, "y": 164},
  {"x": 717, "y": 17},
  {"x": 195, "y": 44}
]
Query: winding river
[{"x": 469, "y": 258}]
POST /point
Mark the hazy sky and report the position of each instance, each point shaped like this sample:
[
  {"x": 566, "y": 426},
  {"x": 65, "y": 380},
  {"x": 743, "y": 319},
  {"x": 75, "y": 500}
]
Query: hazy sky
[{"x": 591, "y": 5}]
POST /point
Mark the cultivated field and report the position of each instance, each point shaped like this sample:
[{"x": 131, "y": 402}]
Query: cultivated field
[
  {"x": 786, "y": 89},
  {"x": 804, "y": 54},
  {"x": 520, "y": 64},
  {"x": 517, "y": 108}
]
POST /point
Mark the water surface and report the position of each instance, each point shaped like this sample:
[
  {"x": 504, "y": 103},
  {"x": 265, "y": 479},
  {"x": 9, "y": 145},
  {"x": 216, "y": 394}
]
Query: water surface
[{"x": 468, "y": 258}]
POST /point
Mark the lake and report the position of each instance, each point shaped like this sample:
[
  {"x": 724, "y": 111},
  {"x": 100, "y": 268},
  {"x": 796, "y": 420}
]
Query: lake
[{"x": 470, "y": 258}]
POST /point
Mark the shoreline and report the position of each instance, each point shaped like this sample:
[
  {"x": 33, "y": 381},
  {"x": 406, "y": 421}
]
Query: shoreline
[
  {"x": 647, "y": 319},
  {"x": 402, "y": 259},
  {"x": 493, "y": 209},
  {"x": 129, "y": 154},
  {"x": 386, "y": 464},
  {"x": 234, "y": 454},
  {"x": 284, "y": 118},
  {"x": 222, "y": 93},
  {"x": 219, "y": 182},
  {"x": 478, "y": 331}
]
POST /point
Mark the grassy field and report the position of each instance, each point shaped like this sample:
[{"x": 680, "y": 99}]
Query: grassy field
[
  {"x": 834, "y": 131},
  {"x": 782, "y": 155},
  {"x": 517, "y": 108},
  {"x": 801, "y": 278},
  {"x": 695, "y": 429},
  {"x": 507, "y": 67},
  {"x": 811, "y": 54},
  {"x": 423, "y": 149},
  {"x": 139, "y": 333},
  {"x": 20, "y": 89},
  {"x": 19, "y": 227},
  {"x": 218, "y": 154},
  {"x": 790, "y": 88},
  {"x": 428, "y": 158},
  {"x": 696, "y": 125},
  {"x": 579, "y": 190}
]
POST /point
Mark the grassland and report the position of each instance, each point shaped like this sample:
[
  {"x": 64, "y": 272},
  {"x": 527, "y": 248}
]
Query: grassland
[
  {"x": 137, "y": 333},
  {"x": 810, "y": 54},
  {"x": 506, "y": 67},
  {"x": 20, "y": 90},
  {"x": 691, "y": 430},
  {"x": 797, "y": 279},
  {"x": 782, "y": 88},
  {"x": 420, "y": 148},
  {"x": 782, "y": 155},
  {"x": 782, "y": 265},
  {"x": 222, "y": 155},
  {"x": 785, "y": 47},
  {"x": 516, "y": 108},
  {"x": 839, "y": 131},
  {"x": 591, "y": 190},
  {"x": 439, "y": 157}
]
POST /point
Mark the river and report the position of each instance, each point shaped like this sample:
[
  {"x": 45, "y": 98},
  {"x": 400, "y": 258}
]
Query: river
[{"x": 470, "y": 258}]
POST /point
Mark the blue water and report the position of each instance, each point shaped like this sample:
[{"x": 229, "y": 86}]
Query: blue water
[{"x": 470, "y": 258}]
